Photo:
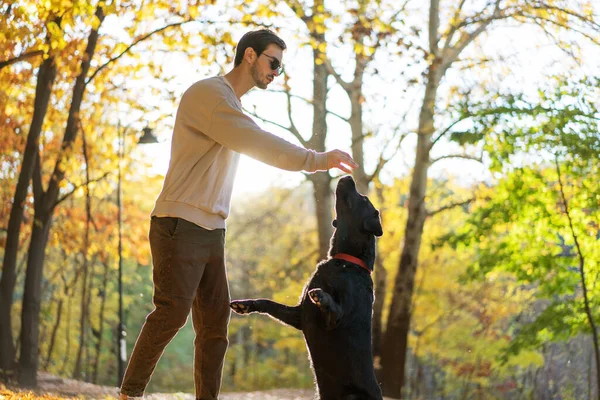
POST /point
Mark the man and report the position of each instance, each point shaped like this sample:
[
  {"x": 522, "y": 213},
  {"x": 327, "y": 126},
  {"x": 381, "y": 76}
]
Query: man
[{"x": 187, "y": 230}]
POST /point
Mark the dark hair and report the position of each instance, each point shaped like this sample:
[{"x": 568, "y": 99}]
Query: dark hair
[{"x": 258, "y": 40}]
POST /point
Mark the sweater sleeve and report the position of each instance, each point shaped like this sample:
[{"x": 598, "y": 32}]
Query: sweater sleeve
[{"x": 235, "y": 130}]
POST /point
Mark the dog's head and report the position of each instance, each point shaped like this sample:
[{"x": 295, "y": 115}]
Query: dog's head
[{"x": 354, "y": 211}]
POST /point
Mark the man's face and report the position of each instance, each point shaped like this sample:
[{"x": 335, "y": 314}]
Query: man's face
[{"x": 261, "y": 68}]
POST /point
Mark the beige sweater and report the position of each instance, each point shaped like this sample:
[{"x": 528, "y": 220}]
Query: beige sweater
[{"x": 210, "y": 133}]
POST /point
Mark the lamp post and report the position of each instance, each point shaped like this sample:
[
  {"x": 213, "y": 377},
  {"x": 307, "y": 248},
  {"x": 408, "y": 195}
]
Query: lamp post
[{"x": 147, "y": 137}]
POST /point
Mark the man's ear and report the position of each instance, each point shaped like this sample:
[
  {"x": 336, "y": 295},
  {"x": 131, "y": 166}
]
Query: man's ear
[
  {"x": 249, "y": 55},
  {"x": 334, "y": 223}
]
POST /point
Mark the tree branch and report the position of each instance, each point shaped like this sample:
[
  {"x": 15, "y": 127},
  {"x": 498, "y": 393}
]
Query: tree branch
[
  {"x": 434, "y": 25},
  {"x": 453, "y": 27},
  {"x": 287, "y": 128},
  {"x": 288, "y": 96},
  {"x": 24, "y": 56},
  {"x": 445, "y": 131},
  {"x": 309, "y": 102},
  {"x": 582, "y": 18},
  {"x": 297, "y": 8},
  {"x": 449, "y": 206},
  {"x": 345, "y": 85},
  {"x": 67, "y": 195},
  {"x": 383, "y": 161},
  {"x": 537, "y": 20},
  {"x": 136, "y": 42},
  {"x": 453, "y": 52},
  {"x": 463, "y": 156}
]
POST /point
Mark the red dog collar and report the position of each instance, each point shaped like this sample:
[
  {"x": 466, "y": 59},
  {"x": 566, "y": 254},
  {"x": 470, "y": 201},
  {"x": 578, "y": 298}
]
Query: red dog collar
[{"x": 352, "y": 259}]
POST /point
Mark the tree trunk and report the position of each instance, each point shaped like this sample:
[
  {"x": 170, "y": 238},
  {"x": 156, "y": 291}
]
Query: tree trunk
[
  {"x": 43, "y": 90},
  {"x": 82, "y": 318},
  {"x": 380, "y": 289},
  {"x": 356, "y": 126},
  {"x": 98, "y": 333},
  {"x": 85, "y": 282},
  {"x": 41, "y": 227},
  {"x": 67, "y": 338},
  {"x": 59, "y": 308},
  {"x": 31, "y": 302},
  {"x": 396, "y": 336},
  {"x": 321, "y": 180}
]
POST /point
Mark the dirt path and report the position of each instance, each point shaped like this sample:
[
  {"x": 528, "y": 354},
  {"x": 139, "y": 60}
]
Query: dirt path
[{"x": 70, "y": 388}]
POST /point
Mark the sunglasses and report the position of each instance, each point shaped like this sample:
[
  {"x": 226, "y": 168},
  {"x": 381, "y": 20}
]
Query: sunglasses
[{"x": 274, "y": 63}]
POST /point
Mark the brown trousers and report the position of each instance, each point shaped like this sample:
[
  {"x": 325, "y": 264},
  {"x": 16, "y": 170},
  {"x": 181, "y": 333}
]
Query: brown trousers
[{"x": 188, "y": 273}]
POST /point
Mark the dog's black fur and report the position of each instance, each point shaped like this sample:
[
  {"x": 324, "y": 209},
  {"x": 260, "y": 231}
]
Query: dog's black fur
[{"x": 335, "y": 310}]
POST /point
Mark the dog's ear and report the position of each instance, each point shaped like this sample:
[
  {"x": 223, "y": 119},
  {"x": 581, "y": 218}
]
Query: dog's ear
[
  {"x": 373, "y": 225},
  {"x": 334, "y": 223}
]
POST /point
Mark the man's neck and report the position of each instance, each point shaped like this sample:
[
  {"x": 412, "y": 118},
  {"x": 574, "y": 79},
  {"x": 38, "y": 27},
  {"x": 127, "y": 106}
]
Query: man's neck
[{"x": 241, "y": 81}]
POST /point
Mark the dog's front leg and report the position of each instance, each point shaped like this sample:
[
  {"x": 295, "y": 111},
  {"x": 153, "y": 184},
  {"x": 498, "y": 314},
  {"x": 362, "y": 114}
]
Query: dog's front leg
[
  {"x": 332, "y": 311},
  {"x": 286, "y": 314}
]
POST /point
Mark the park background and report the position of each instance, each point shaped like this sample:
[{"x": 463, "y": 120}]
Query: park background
[{"x": 475, "y": 125}]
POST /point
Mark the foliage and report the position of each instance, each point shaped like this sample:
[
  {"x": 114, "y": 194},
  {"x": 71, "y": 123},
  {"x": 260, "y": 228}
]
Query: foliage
[{"x": 527, "y": 224}]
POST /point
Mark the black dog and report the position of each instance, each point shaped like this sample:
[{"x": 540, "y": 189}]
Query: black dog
[{"x": 335, "y": 310}]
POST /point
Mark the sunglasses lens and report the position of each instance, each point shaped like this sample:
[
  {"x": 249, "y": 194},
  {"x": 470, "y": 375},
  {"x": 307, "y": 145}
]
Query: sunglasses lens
[{"x": 274, "y": 64}]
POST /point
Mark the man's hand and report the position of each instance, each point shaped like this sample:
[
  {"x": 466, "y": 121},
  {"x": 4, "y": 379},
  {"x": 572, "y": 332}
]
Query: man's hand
[{"x": 340, "y": 160}]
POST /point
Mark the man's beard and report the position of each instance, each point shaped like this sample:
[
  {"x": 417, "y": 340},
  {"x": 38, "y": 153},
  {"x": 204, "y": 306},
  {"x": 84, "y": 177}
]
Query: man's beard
[{"x": 256, "y": 77}]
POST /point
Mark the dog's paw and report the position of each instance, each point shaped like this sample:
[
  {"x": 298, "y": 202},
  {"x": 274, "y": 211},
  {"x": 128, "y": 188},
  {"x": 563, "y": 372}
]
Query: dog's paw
[
  {"x": 317, "y": 296},
  {"x": 241, "y": 306}
]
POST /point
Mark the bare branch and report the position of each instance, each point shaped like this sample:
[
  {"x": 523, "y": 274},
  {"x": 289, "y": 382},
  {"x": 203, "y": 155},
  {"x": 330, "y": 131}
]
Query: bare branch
[
  {"x": 308, "y": 102},
  {"x": 453, "y": 28},
  {"x": 537, "y": 20},
  {"x": 445, "y": 131},
  {"x": 297, "y": 8},
  {"x": 287, "y": 128},
  {"x": 136, "y": 42},
  {"x": 345, "y": 85},
  {"x": 21, "y": 57},
  {"x": 288, "y": 96},
  {"x": 383, "y": 161},
  {"x": 67, "y": 195},
  {"x": 581, "y": 17},
  {"x": 463, "y": 156},
  {"x": 449, "y": 206},
  {"x": 452, "y": 53},
  {"x": 434, "y": 25}
]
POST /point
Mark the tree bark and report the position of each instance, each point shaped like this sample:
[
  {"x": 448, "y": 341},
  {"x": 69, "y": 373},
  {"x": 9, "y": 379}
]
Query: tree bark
[
  {"x": 356, "y": 126},
  {"x": 321, "y": 180},
  {"x": 98, "y": 333},
  {"x": 45, "y": 81},
  {"x": 380, "y": 290},
  {"x": 83, "y": 317},
  {"x": 41, "y": 227},
  {"x": 31, "y": 303},
  {"x": 396, "y": 336},
  {"x": 59, "y": 308},
  {"x": 86, "y": 283},
  {"x": 67, "y": 338}
]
